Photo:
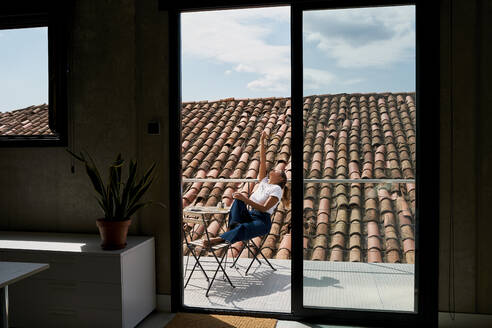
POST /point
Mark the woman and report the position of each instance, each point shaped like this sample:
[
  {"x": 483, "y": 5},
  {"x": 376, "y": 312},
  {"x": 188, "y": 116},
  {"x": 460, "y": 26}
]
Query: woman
[{"x": 244, "y": 224}]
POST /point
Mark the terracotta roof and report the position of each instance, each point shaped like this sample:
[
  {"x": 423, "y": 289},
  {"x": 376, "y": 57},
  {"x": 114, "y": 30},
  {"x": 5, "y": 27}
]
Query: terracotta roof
[
  {"x": 345, "y": 136},
  {"x": 32, "y": 120}
]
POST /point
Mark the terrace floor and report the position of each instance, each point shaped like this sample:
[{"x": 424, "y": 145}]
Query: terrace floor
[{"x": 373, "y": 286}]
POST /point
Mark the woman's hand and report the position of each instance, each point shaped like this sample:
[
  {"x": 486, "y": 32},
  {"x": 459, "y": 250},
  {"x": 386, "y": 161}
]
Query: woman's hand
[
  {"x": 239, "y": 196},
  {"x": 264, "y": 136}
]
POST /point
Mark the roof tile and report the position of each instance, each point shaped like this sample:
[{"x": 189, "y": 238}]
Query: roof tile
[{"x": 346, "y": 136}]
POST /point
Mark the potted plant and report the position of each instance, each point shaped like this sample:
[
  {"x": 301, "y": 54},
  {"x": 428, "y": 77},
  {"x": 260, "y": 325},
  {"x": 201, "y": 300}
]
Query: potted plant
[{"x": 118, "y": 200}]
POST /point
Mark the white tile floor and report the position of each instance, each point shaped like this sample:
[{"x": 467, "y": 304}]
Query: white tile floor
[
  {"x": 262, "y": 289},
  {"x": 373, "y": 286},
  {"x": 380, "y": 286}
]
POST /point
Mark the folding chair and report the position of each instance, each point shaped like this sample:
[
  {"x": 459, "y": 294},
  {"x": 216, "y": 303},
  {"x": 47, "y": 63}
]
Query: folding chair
[
  {"x": 192, "y": 247},
  {"x": 194, "y": 244},
  {"x": 251, "y": 244}
]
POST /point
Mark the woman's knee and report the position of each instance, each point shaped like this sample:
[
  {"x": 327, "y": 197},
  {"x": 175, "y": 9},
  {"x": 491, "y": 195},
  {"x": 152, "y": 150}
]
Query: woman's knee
[
  {"x": 257, "y": 228},
  {"x": 238, "y": 203},
  {"x": 236, "y": 206}
]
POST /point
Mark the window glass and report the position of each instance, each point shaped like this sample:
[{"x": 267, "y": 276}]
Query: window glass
[
  {"x": 359, "y": 158},
  {"x": 24, "y": 82},
  {"x": 236, "y": 86}
]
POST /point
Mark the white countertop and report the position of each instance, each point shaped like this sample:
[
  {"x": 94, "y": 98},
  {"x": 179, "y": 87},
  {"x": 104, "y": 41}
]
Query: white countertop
[
  {"x": 62, "y": 242},
  {"x": 11, "y": 272}
]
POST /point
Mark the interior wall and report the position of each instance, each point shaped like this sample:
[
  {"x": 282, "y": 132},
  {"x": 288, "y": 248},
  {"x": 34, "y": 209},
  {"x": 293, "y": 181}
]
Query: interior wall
[
  {"x": 484, "y": 145},
  {"x": 465, "y": 148},
  {"x": 152, "y": 104}
]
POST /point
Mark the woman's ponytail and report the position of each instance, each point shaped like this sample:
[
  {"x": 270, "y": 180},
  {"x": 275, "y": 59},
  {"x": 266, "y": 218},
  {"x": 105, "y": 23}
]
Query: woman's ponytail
[
  {"x": 286, "y": 197},
  {"x": 286, "y": 191}
]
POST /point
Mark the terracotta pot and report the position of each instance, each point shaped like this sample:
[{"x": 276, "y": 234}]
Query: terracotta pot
[{"x": 113, "y": 233}]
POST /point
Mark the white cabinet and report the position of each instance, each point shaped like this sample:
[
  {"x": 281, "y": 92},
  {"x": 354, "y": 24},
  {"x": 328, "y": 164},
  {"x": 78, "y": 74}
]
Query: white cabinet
[{"x": 84, "y": 286}]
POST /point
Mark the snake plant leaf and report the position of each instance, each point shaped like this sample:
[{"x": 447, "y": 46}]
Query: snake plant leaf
[
  {"x": 103, "y": 207},
  {"x": 109, "y": 202},
  {"x": 118, "y": 164},
  {"x": 118, "y": 200},
  {"x": 132, "y": 173},
  {"x": 78, "y": 157},
  {"x": 149, "y": 171},
  {"x": 136, "y": 190},
  {"x": 115, "y": 184},
  {"x": 95, "y": 178},
  {"x": 139, "y": 193},
  {"x": 136, "y": 207},
  {"x": 114, "y": 189},
  {"x": 92, "y": 172}
]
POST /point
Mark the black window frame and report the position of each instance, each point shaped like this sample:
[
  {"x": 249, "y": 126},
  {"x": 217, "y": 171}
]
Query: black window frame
[
  {"x": 56, "y": 16},
  {"x": 427, "y": 175}
]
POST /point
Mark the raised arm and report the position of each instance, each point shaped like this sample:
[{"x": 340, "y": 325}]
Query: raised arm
[{"x": 262, "y": 171}]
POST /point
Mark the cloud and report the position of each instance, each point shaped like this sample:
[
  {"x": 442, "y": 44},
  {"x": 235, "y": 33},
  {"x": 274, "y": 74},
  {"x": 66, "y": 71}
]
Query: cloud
[
  {"x": 279, "y": 81},
  {"x": 317, "y": 78},
  {"x": 353, "y": 81},
  {"x": 239, "y": 38},
  {"x": 359, "y": 38},
  {"x": 244, "y": 68},
  {"x": 246, "y": 40}
]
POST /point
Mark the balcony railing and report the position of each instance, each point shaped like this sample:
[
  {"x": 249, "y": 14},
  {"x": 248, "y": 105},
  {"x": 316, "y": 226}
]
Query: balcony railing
[{"x": 187, "y": 180}]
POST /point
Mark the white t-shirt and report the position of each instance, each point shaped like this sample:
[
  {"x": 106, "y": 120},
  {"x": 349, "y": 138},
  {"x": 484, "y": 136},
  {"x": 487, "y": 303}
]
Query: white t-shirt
[{"x": 264, "y": 191}]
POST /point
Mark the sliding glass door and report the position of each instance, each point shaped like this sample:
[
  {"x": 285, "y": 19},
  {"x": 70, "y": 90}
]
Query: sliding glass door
[
  {"x": 234, "y": 90},
  {"x": 349, "y": 136},
  {"x": 359, "y": 155}
]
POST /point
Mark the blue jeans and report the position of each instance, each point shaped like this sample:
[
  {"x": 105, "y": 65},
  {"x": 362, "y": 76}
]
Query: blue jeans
[{"x": 246, "y": 224}]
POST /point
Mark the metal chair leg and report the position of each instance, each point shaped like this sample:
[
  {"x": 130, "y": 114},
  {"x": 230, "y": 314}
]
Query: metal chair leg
[
  {"x": 225, "y": 263},
  {"x": 186, "y": 267},
  {"x": 254, "y": 254},
  {"x": 237, "y": 257},
  {"x": 217, "y": 270},
  {"x": 245, "y": 245},
  {"x": 221, "y": 267},
  {"x": 250, "y": 264},
  {"x": 263, "y": 255},
  {"x": 192, "y": 251},
  {"x": 197, "y": 262}
]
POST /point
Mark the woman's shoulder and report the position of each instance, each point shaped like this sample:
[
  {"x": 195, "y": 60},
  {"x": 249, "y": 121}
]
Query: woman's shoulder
[{"x": 274, "y": 187}]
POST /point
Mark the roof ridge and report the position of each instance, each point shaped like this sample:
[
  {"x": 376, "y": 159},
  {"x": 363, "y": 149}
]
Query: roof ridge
[
  {"x": 22, "y": 109},
  {"x": 385, "y": 93}
]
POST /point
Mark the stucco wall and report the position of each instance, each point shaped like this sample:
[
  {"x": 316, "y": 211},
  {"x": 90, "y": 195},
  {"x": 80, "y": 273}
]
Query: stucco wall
[{"x": 152, "y": 94}]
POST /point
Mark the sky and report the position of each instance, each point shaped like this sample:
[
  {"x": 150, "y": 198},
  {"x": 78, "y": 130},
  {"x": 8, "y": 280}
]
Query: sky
[
  {"x": 23, "y": 68},
  {"x": 245, "y": 53}
]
